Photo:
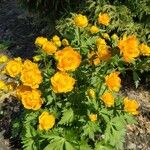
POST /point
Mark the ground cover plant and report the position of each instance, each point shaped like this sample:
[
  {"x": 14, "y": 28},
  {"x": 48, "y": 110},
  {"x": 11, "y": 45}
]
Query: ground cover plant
[{"x": 69, "y": 91}]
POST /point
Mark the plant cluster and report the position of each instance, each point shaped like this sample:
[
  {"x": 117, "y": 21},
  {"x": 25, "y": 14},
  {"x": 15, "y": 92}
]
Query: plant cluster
[{"x": 69, "y": 92}]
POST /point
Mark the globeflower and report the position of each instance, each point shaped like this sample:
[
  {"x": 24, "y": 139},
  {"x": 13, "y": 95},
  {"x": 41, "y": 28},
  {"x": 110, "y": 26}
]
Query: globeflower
[
  {"x": 65, "y": 42},
  {"x": 113, "y": 81},
  {"x": 131, "y": 106},
  {"x": 108, "y": 99},
  {"x": 93, "y": 117},
  {"x": 94, "y": 29},
  {"x": 40, "y": 41},
  {"x": 144, "y": 49},
  {"x": 80, "y": 21},
  {"x": 22, "y": 90},
  {"x": 129, "y": 48},
  {"x": 32, "y": 99},
  {"x": 46, "y": 121},
  {"x": 31, "y": 75},
  {"x": 3, "y": 59},
  {"x": 49, "y": 47},
  {"x": 103, "y": 19},
  {"x": 13, "y": 68},
  {"x": 91, "y": 93},
  {"x": 62, "y": 82},
  {"x": 68, "y": 59}
]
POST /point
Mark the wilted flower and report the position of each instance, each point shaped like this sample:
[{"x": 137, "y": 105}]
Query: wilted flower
[
  {"x": 62, "y": 82},
  {"x": 3, "y": 85},
  {"x": 46, "y": 121},
  {"x": 131, "y": 106},
  {"x": 80, "y": 21}
]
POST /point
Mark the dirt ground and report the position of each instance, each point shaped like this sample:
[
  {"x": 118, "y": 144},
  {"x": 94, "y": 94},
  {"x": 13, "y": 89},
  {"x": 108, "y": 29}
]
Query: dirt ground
[{"x": 20, "y": 29}]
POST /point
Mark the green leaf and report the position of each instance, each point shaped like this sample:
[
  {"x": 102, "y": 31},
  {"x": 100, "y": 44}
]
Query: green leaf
[
  {"x": 136, "y": 79},
  {"x": 90, "y": 129},
  {"x": 67, "y": 117}
]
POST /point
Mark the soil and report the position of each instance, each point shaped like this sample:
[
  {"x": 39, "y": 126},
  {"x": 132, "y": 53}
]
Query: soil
[{"x": 20, "y": 28}]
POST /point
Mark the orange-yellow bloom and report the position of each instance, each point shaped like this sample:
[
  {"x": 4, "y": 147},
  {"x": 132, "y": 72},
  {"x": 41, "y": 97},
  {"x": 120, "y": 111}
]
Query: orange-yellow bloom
[
  {"x": 62, "y": 82},
  {"x": 94, "y": 29},
  {"x": 68, "y": 59},
  {"x": 21, "y": 90},
  {"x": 46, "y": 121},
  {"x": 80, "y": 21},
  {"x": 49, "y": 47},
  {"x": 113, "y": 81},
  {"x": 31, "y": 75},
  {"x": 32, "y": 99},
  {"x": 93, "y": 117},
  {"x": 129, "y": 48},
  {"x": 91, "y": 93},
  {"x": 108, "y": 99},
  {"x": 3, "y": 59},
  {"x": 13, "y": 68},
  {"x": 144, "y": 49},
  {"x": 131, "y": 106},
  {"x": 104, "y": 19},
  {"x": 40, "y": 41}
]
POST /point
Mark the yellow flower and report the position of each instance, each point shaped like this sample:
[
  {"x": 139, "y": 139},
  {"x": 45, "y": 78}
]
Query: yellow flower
[
  {"x": 96, "y": 61},
  {"x": 80, "y": 21},
  {"x": 113, "y": 81},
  {"x": 129, "y": 48},
  {"x": 40, "y": 41},
  {"x": 32, "y": 99},
  {"x": 3, "y": 85},
  {"x": 144, "y": 49},
  {"x": 46, "y": 121},
  {"x": 94, "y": 29},
  {"x": 3, "y": 59},
  {"x": 55, "y": 38},
  {"x": 103, "y": 52},
  {"x": 21, "y": 90},
  {"x": 108, "y": 99},
  {"x": 93, "y": 117},
  {"x": 68, "y": 59},
  {"x": 58, "y": 43},
  {"x": 65, "y": 42},
  {"x": 37, "y": 58},
  {"x": 62, "y": 82},
  {"x": 114, "y": 37},
  {"x": 100, "y": 41},
  {"x": 31, "y": 75},
  {"x": 106, "y": 35},
  {"x": 49, "y": 47},
  {"x": 131, "y": 106},
  {"x": 91, "y": 93},
  {"x": 104, "y": 19},
  {"x": 13, "y": 68}
]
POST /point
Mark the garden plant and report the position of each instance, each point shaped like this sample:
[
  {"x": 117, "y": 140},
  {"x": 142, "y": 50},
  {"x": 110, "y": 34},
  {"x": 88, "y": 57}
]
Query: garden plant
[{"x": 69, "y": 91}]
